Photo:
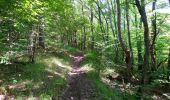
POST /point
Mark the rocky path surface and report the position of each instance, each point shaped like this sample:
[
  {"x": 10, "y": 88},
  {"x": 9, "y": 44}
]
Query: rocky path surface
[{"x": 79, "y": 87}]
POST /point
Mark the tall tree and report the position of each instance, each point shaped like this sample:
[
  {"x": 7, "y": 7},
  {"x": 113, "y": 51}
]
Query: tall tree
[
  {"x": 128, "y": 29},
  {"x": 101, "y": 23},
  {"x": 125, "y": 49},
  {"x": 92, "y": 27},
  {"x": 84, "y": 30},
  {"x": 146, "y": 70},
  {"x": 153, "y": 37},
  {"x": 115, "y": 30},
  {"x": 168, "y": 74}
]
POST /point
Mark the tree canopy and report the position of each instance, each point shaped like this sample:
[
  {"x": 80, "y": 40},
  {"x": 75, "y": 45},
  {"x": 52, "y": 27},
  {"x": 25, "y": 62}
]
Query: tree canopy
[{"x": 131, "y": 37}]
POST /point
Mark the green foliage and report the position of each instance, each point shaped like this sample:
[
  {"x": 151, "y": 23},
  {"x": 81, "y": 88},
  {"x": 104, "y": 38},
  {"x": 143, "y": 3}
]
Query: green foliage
[
  {"x": 107, "y": 93},
  {"x": 66, "y": 27},
  {"x": 4, "y": 59},
  {"x": 34, "y": 79}
]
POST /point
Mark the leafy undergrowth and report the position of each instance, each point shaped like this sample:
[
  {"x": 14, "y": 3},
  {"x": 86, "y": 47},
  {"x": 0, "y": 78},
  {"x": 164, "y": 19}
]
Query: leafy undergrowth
[
  {"x": 108, "y": 78},
  {"x": 115, "y": 89},
  {"x": 44, "y": 79},
  {"x": 105, "y": 92}
]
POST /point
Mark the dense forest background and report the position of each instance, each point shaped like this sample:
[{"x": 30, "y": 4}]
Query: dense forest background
[{"x": 125, "y": 44}]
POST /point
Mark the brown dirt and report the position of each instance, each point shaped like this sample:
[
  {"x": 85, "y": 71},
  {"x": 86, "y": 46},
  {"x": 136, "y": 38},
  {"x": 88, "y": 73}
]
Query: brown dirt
[{"x": 79, "y": 87}]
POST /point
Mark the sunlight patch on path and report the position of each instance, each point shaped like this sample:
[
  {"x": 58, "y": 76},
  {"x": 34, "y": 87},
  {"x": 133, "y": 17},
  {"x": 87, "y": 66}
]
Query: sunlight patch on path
[
  {"x": 87, "y": 68},
  {"x": 58, "y": 62},
  {"x": 57, "y": 66}
]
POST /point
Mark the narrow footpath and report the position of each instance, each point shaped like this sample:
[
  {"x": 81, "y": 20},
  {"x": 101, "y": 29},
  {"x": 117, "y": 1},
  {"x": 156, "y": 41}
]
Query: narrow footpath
[{"x": 78, "y": 87}]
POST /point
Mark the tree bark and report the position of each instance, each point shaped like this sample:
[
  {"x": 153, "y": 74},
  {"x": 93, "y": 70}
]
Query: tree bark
[
  {"x": 125, "y": 49},
  {"x": 128, "y": 29},
  {"x": 31, "y": 47},
  {"x": 41, "y": 32},
  {"x": 92, "y": 30},
  {"x": 115, "y": 31},
  {"x": 154, "y": 35},
  {"x": 84, "y": 32},
  {"x": 112, "y": 27},
  {"x": 84, "y": 37},
  {"x": 100, "y": 19},
  {"x": 168, "y": 74},
  {"x": 146, "y": 69}
]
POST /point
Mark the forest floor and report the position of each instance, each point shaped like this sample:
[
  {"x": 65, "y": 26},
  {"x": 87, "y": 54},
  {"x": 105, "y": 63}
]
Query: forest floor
[
  {"x": 67, "y": 76},
  {"x": 78, "y": 87}
]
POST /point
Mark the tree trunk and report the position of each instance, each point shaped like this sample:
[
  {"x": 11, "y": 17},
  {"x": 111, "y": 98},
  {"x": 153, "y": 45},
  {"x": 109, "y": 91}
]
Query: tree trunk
[
  {"x": 140, "y": 58},
  {"x": 100, "y": 19},
  {"x": 125, "y": 49},
  {"x": 115, "y": 31},
  {"x": 75, "y": 38},
  {"x": 154, "y": 34},
  {"x": 139, "y": 44},
  {"x": 31, "y": 47},
  {"x": 84, "y": 37},
  {"x": 41, "y": 33},
  {"x": 92, "y": 30},
  {"x": 41, "y": 38},
  {"x": 168, "y": 74},
  {"x": 84, "y": 32},
  {"x": 128, "y": 30},
  {"x": 146, "y": 69}
]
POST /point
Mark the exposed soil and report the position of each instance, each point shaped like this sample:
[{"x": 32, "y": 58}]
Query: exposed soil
[{"x": 79, "y": 87}]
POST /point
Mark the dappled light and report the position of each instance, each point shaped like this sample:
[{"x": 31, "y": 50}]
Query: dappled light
[
  {"x": 57, "y": 66},
  {"x": 56, "y": 62},
  {"x": 87, "y": 68},
  {"x": 19, "y": 86},
  {"x": 84, "y": 49}
]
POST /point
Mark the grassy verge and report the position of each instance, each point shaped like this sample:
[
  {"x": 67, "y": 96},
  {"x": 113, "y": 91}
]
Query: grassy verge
[
  {"x": 104, "y": 92},
  {"x": 43, "y": 79}
]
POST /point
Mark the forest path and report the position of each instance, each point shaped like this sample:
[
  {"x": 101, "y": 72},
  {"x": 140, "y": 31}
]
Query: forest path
[{"x": 78, "y": 87}]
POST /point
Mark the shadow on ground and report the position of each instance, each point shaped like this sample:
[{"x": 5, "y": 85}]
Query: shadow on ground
[{"x": 44, "y": 79}]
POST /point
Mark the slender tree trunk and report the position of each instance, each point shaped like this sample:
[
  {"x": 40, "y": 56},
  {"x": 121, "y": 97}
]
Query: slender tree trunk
[
  {"x": 125, "y": 49},
  {"x": 106, "y": 30},
  {"x": 84, "y": 37},
  {"x": 71, "y": 39},
  {"x": 154, "y": 34},
  {"x": 146, "y": 69},
  {"x": 75, "y": 38},
  {"x": 81, "y": 46},
  {"x": 92, "y": 30},
  {"x": 139, "y": 44},
  {"x": 116, "y": 32},
  {"x": 100, "y": 20},
  {"x": 84, "y": 32},
  {"x": 106, "y": 21},
  {"x": 110, "y": 19},
  {"x": 31, "y": 46},
  {"x": 168, "y": 74},
  {"x": 128, "y": 29},
  {"x": 41, "y": 33},
  {"x": 112, "y": 27},
  {"x": 124, "y": 21}
]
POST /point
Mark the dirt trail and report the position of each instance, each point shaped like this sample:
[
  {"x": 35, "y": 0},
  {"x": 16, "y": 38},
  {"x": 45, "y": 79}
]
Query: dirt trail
[{"x": 78, "y": 88}]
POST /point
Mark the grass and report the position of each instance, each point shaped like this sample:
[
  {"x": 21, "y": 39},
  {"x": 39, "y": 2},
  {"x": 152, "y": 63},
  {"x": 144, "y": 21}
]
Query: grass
[
  {"x": 43, "y": 79},
  {"x": 104, "y": 91},
  {"x": 107, "y": 93}
]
